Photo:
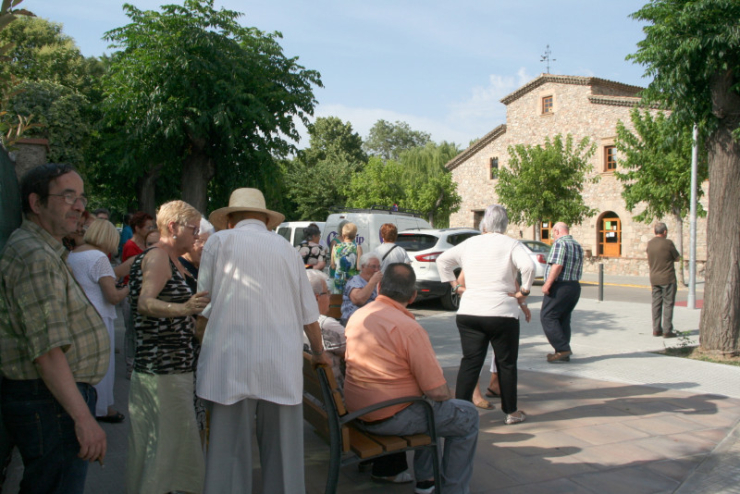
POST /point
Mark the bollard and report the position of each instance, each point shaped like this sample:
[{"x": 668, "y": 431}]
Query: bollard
[{"x": 601, "y": 282}]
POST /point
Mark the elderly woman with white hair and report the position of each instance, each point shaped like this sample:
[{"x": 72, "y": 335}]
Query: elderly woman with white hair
[
  {"x": 362, "y": 288},
  {"x": 489, "y": 310},
  {"x": 332, "y": 332}
]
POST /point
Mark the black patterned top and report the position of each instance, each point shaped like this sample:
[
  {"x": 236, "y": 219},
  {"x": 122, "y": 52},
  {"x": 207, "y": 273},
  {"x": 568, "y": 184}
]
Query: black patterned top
[{"x": 163, "y": 345}]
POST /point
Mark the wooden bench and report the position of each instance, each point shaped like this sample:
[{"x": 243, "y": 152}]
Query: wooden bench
[
  {"x": 335, "y": 306},
  {"x": 348, "y": 444}
]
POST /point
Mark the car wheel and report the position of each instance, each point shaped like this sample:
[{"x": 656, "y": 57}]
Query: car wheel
[{"x": 450, "y": 300}]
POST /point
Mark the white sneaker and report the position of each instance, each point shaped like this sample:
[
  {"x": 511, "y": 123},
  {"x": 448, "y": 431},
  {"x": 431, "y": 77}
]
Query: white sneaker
[
  {"x": 424, "y": 487},
  {"x": 402, "y": 478}
]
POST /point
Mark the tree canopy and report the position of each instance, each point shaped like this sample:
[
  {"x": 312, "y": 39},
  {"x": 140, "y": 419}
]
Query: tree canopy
[
  {"x": 656, "y": 160},
  {"x": 318, "y": 178},
  {"x": 546, "y": 182},
  {"x": 692, "y": 51},
  {"x": 388, "y": 140},
  {"x": 193, "y": 97},
  {"x": 418, "y": 181}
]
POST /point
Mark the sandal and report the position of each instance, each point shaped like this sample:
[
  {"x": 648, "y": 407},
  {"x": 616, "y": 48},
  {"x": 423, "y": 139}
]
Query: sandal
[
  {"x": 491, "y": 393},
  {"x": 515, "y": 419},
  {"x": 485, "y": 405},
  {"x": 117, "y": 418}
]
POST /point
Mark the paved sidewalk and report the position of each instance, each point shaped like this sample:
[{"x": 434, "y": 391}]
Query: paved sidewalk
[{"x": 616, "y": 419}]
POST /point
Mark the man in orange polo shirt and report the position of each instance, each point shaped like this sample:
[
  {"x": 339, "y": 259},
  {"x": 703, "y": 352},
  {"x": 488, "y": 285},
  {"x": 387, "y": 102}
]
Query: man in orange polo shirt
[{"x": 388, "y": 356}]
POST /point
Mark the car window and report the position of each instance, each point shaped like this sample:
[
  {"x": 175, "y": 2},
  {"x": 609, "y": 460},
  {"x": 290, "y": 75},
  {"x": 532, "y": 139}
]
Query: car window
[
  {"x": 538, "y": 247},
  {"x": 460, "y": 237},
  {"x": 298, "y": 237},
  {"x": 414, "y": 242},
  {"x": 284, "y": 232}
]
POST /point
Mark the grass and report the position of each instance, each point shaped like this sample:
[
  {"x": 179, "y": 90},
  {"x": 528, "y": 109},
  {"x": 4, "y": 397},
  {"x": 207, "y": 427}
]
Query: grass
[{"x": 696, "y": 353}]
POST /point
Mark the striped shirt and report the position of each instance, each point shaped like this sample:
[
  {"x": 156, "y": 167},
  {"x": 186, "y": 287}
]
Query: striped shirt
[
  {"x": 260, "y": 301},
  {"x": 42, "y": 307},
  {"x": 569, "y": 254}
]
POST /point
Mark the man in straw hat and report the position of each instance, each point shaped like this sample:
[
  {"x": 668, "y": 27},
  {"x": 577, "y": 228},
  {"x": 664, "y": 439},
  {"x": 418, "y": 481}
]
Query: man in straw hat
[{"x": 250, "y": 366}]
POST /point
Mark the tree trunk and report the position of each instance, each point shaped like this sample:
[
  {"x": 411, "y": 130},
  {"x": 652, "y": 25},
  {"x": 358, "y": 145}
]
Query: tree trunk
[
  {"x": 720, "y": 317},
  {"x": 146, "y": 188},
  {"x": 679, "y": 237},
  {"x": 197, "y": 171},
  {"x": 538, "y": 230}
]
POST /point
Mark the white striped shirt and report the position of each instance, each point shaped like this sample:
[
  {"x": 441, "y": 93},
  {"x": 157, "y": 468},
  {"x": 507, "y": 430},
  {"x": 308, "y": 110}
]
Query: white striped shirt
[{"x": 260, "y": 301}]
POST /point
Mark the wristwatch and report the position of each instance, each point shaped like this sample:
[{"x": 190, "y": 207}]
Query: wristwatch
[{"x": 524, "y": 292}]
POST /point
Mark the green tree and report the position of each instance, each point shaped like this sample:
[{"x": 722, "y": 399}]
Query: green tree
[
  {"x": 692, "y": 51},
  {"x": 546, "y": 182},
  {"x": 54, "y": 84},
  {"x": 194, "y": 98},
  {"x": 428, "y": 184},
  {"x": 389, "y": 140},
  {"x": 318, "y": 178},
  {"x": 657, "y": 163},
  {"x": 379, "y": 183},
  {"x": 12, "y": 126}
]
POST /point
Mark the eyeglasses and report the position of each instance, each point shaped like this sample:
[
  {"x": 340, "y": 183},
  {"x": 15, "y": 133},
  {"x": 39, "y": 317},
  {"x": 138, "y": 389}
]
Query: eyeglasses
[
  {"x": 322, "y": 293},
  {"x": 196, "y": 229},
  {"x": 71, "y": 199}
]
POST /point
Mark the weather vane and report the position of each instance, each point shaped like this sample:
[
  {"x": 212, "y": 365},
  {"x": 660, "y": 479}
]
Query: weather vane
[{"x": 546, "y": 58}]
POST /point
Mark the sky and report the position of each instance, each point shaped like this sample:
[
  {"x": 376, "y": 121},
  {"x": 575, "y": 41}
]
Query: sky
[{"x": 440, "y": 66}]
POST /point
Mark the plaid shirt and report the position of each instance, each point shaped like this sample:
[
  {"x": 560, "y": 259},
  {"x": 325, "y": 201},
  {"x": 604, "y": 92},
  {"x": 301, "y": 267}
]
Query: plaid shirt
[
  {"x": 569, "y": 254},
  {"x": 42, "y": 307}
]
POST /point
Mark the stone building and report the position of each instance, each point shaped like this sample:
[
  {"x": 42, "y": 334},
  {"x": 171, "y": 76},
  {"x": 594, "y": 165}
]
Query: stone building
[{"x": 583, "y": 107}]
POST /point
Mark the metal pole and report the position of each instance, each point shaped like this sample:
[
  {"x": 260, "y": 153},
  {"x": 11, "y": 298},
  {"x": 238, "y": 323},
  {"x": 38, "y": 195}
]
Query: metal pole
[
  {"x": 601, "y": 282},
  {"x": 691, "y": 302}
]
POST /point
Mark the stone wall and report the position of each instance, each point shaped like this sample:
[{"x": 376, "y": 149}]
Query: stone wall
[{"x": 576, "y": 114}]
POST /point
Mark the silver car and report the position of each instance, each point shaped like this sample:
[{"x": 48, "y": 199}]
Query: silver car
[{"x": 538, "y": 251}]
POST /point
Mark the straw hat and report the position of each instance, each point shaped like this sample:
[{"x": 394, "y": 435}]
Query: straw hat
[{"x": 245, "y": 200}]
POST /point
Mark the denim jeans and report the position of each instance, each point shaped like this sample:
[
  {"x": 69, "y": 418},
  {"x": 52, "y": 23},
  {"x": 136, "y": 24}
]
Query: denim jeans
[
  {"x": 45, "y": 436},
  {"x": 457, "y": 422}
]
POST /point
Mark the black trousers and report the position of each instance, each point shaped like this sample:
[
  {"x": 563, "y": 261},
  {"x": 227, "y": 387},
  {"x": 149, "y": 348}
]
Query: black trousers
[
  {"x": 476, "y": 333},
  {"x": 557, "y": 308}
]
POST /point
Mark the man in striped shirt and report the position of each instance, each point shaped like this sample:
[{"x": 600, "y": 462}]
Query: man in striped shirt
[{"x": 561, "y": 291}]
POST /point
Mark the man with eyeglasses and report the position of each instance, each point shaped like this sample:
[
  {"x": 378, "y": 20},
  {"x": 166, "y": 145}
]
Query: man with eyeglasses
[{"x": 53, "y": 344}]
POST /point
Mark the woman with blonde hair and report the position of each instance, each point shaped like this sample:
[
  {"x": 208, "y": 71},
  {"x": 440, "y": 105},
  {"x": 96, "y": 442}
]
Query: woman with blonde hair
[
  {"x": 164, "y": 448},
  {"x": 92, "y": 270},
  {"x": 345, "y": 257}
]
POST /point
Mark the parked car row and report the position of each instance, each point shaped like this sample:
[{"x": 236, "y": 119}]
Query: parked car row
[{"x": 423, "y": 243}]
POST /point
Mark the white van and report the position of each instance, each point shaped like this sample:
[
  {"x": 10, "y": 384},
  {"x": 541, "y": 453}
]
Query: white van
[
  {"x": 292, "y": 231},
  {"x": 368, "y": 223}
]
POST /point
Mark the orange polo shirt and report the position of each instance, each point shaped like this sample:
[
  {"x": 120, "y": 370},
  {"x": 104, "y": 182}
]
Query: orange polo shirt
[{"x": 388, "y": 356}]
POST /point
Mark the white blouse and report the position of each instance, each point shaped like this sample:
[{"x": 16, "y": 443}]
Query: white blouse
[{"x": 490, "y": 262}]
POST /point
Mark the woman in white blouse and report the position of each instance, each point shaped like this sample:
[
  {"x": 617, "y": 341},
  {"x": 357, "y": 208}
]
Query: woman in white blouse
[
  {"x": 489, "y": 310},
  {"x": 92, "y": 269}
]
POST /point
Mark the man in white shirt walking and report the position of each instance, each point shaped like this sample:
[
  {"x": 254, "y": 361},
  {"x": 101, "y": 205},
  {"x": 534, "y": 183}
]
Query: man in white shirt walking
[{"x": 250, "y": 365}]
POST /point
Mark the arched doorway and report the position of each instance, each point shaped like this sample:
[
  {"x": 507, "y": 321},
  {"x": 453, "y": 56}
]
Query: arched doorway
[{"x": 610, "y": 235}]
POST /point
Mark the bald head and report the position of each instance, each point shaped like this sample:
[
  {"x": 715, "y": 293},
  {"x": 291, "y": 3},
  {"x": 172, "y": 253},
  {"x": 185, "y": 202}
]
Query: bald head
[{"x": 559, "y": 229}]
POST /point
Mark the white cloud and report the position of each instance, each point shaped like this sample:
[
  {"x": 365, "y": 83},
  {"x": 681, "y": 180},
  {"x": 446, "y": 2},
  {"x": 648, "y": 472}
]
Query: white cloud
[
  {"x": 483, "y": 110},
  {"x": 469, "y": 119}
]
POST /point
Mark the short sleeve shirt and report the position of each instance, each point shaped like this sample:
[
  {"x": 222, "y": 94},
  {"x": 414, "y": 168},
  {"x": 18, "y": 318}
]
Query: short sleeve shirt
[
  {"x": 567, "y": 253},
  {"x": 388, "y": 356},
  {"x": 42, "y": 307},
  {"x": 392, "y": 253},
  {"x": 348, "y": 307}
]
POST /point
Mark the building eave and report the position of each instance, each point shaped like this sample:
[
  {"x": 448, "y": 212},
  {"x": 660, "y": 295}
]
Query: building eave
[{"x": 477, "y": 146}]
